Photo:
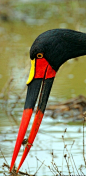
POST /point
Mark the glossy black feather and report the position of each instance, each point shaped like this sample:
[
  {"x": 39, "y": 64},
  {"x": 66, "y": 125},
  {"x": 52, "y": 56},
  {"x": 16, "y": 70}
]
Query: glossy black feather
[{"x": 59, "y": 45}]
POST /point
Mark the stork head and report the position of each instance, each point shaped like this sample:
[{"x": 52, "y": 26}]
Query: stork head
[{"x": 59, "y": 45}]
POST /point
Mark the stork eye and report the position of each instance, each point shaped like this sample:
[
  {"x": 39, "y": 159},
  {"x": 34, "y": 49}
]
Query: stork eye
[{"x": 39, "y": 55}]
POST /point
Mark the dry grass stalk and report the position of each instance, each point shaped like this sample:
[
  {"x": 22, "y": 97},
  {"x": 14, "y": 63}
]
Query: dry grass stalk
[
  {"x": 84, "y": 114},
  {"x": 69, "y": 157}
]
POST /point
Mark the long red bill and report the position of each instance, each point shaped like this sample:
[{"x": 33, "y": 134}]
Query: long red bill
[
  {"x": 27, "y": 113},
  {"x": 44, "y": 94}
]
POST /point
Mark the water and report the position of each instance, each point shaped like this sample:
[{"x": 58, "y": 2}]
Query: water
[
  {"x": 48, "y": 140},
  {"x": 15, "y": 41}
]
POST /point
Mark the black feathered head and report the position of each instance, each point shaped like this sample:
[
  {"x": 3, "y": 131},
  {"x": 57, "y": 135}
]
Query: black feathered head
[{"x": 59, "y": 45}]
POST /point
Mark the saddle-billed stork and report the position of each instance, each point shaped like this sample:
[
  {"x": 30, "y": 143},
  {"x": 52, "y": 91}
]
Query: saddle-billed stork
[{"x": 48, "y": 52}]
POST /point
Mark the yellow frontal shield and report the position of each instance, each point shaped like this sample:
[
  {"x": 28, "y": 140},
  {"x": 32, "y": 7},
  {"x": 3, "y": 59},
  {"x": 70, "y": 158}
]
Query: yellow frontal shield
[{"x": 32, "y": 71}]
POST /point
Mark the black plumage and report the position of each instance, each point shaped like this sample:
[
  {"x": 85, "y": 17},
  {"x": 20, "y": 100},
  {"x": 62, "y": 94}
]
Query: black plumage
[{"x": 59, "y": 45}]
